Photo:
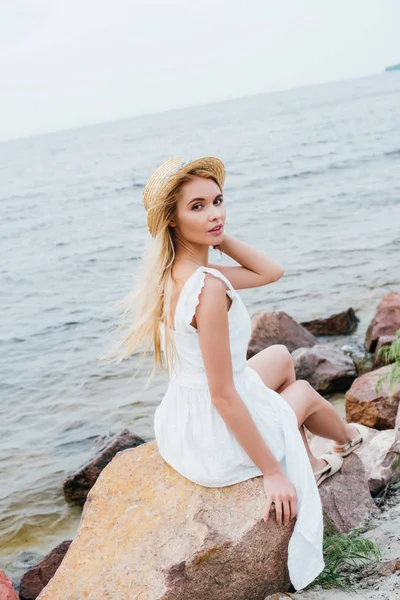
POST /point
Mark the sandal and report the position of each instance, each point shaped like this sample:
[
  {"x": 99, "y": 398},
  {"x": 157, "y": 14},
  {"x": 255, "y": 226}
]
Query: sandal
[
  {"x": 334, "y": 464},
  {"x": 354, "y": 444}
]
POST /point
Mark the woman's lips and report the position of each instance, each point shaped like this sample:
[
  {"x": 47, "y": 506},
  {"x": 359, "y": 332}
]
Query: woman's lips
[{"x": 216, "y": 231}]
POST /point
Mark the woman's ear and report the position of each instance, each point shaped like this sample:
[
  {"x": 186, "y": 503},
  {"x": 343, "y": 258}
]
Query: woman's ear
[{"x": 172, "y": 223}]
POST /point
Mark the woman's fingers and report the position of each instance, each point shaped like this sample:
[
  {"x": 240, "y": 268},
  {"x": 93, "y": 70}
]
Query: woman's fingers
[
  {"x": 267, "y": 508},
  {"x": 278, "y": 511},
  {"x": 293, "y": 507},
  {"x": 286, "y": 511}
]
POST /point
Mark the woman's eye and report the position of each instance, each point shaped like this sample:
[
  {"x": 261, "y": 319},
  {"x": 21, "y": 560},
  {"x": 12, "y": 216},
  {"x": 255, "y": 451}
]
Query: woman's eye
[{"x": 216, "y": 200}]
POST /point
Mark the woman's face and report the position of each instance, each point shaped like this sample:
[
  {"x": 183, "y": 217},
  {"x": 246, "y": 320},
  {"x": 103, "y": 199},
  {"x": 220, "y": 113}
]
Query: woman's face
[{"x": 199, "y": 209}]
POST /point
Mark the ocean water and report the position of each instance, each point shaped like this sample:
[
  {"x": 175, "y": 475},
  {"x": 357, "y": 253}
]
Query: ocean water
[{"x": 312, "y": 180}]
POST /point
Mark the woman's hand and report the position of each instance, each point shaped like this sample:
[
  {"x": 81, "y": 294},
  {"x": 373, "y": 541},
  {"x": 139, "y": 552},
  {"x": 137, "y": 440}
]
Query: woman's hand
[{"x": 280, "y": 491}]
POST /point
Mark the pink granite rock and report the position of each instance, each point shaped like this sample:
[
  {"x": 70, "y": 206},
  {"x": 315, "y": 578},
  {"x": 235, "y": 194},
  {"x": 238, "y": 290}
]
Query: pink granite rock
[
  {"x": 345, "y": 496},
  {"x": 148, "y": 532},
  {"x": 7, "y": 591},
  {"x": 35, "y": 579},
  {"x": 380, "y": 461},
  {"x": 386, "y": 320},
  {"x": 367, "y": 406},
  {"x": 325, "y": 367}
]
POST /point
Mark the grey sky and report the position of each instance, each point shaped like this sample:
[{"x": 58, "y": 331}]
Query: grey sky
[{"x": 66, "y": 63}]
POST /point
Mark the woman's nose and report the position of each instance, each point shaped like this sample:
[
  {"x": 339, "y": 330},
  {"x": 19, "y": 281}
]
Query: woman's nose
[{"x": 216, "y": 212}]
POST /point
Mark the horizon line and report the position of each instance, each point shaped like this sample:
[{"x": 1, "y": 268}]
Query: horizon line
[{"x": 179, "y": 108}]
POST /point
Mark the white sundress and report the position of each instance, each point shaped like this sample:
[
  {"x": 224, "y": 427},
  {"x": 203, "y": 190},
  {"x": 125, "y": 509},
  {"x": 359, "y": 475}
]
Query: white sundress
[{"x": 194, "y": 439}]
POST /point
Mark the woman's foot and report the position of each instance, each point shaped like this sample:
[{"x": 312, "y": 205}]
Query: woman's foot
[
  {"x": 319, "y": 464},
  {"x": 356, "y": 435},
  {"x": 325, "y": 466}
]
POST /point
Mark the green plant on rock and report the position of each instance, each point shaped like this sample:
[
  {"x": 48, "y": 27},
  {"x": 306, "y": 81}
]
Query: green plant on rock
[
  {"x": 390, "y": 354},
  {"x": 342, "y": 550}
]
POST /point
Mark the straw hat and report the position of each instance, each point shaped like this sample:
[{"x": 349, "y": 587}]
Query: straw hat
[{"x": 167, "y": 175}]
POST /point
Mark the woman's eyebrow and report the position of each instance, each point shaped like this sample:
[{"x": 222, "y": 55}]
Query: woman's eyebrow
[{"x": 198, "y": 199}]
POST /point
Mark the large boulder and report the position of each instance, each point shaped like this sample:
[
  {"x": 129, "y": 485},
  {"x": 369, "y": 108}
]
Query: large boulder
[
  {"x": 148, "y": 532},
  {"x": 340, "y": 323},
  {"x": 386, "y": 320},
  {"x": 277, "y": 328},
  {"x": 325, "y": 367},
  {"x": 346, "y": 498},
  {"x": 36, "y": 578},
  {"x": 371, "y": 408},
  {"x": 7, "y": 591},
  {"x": 77, "y": 486}
]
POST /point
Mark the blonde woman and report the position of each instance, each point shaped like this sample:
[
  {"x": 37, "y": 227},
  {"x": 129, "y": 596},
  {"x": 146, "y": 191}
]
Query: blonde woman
[{"x": 225, "y": 419}]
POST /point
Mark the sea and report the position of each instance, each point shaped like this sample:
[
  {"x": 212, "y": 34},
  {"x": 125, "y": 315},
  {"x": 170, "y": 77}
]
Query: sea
[{"x": 313, "y": 180}]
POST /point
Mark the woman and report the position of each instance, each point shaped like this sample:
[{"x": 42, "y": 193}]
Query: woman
[{"x": 225, "y": 419}]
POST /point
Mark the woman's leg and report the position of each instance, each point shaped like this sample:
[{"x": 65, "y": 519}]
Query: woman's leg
[{"x": 275, "y": 367}]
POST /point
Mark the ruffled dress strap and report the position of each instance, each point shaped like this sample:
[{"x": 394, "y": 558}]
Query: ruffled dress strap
[{"x": 190, "y": 297}]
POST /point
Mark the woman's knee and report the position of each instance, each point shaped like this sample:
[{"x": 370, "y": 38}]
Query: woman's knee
[
  {"x": 307, "y": 392},
  {"x": 284, "y": 356}
]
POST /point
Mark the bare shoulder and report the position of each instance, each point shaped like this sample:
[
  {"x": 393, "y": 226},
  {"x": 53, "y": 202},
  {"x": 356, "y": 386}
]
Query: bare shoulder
[{"x": 213, "y": 302}]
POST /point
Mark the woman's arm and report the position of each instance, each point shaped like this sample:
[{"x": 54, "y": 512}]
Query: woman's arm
[
  {"x": 256, "y": 268},
  {"x": 213, "y": 330}
]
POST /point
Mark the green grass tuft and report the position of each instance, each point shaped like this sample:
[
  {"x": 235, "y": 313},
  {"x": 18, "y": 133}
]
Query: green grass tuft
[
  {"x": 390, "y": 354},
  {"x": 343, "y": 550}
]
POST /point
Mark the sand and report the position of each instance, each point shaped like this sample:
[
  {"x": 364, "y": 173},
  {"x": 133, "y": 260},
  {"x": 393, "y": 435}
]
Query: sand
[{"x": 384, "y": 531}]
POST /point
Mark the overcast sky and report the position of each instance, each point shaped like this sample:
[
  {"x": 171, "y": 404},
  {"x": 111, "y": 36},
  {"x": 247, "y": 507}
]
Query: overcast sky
[{"x": 67, "y": 63}]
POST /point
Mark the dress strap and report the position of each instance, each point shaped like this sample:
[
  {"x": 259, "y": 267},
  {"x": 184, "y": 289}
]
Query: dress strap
[{"x": 190, "y": 297}]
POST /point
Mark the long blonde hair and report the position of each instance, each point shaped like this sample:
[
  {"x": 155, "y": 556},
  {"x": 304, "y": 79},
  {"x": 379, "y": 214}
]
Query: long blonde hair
[{"x": 150, "y": 300}]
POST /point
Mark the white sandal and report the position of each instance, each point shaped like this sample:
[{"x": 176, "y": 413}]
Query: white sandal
[
  {"x": 334, "y": 465},
  {"x": 354, "y": 444}
]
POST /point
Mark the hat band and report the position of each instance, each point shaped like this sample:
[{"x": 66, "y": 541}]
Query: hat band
[{"x": 185, "y": 162}]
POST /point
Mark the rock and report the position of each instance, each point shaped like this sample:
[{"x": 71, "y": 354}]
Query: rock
[
  {"x": 277, "y": 328},
  {"x": 7, "y": 591},
  {"x": 38, "y": 576},
  {"x": 77, "y": 486},
  {"x": 148, "y": 532},
  {"x": 384, "y": 340},
  {"x": 380, "y": 462},
  {"x": 337, "y": 324},
  {"x": 388, "y": 567},
  {"x": 376, "y": 455},
  {"x": 397, "y": 427},
  {"x": 386, "y": 320},
  {"x": 357, "y": 352},
  {"x": 366, "y": 406},
  {"x": 345, "y": 496},
  {"x": 326, "y": 368}
]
